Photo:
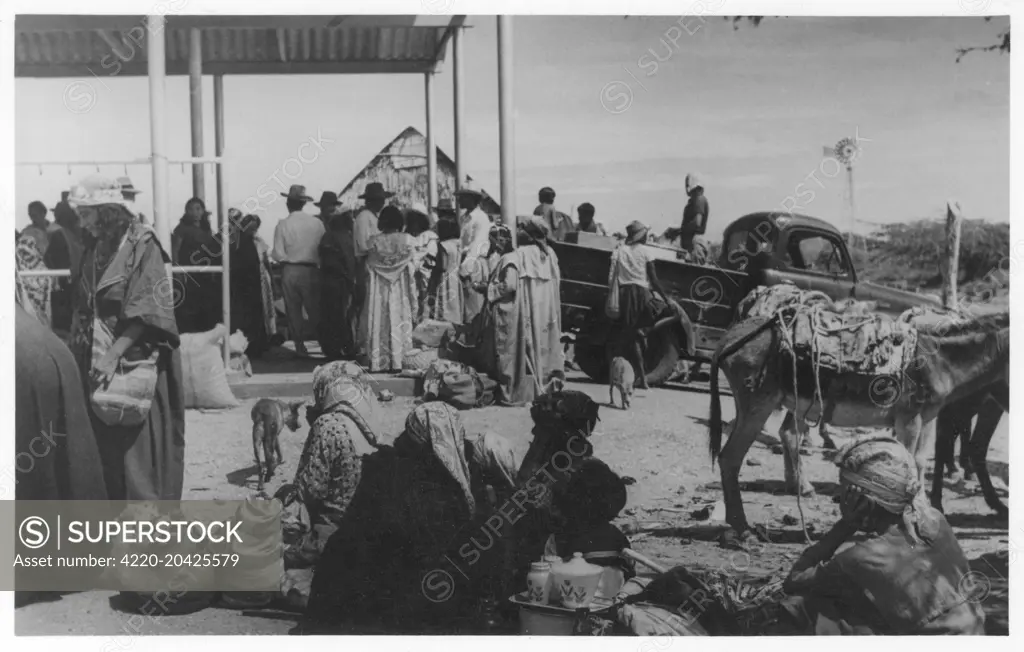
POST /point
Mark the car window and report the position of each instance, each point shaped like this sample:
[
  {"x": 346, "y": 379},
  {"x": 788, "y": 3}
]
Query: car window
[
  {"x": 742, "y": 246},
  {"x": 816, "y": 253}
]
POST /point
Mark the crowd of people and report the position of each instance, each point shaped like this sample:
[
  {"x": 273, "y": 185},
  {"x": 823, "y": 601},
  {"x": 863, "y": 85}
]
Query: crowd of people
[{"x": 369, "y": 522}]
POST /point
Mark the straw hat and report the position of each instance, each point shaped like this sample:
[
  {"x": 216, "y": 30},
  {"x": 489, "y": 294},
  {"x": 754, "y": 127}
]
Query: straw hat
[
  {"x": 297, "y": 192},
  {"x": 636, "y": 231},
  {"x": 97, "y": 190}
]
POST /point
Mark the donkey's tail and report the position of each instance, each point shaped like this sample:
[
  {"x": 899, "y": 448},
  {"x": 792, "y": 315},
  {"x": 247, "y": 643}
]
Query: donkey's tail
[{"x": 715, "y": 416}]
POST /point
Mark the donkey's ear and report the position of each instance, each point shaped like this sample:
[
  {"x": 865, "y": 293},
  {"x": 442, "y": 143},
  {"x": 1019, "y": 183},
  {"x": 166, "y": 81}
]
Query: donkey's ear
[{"x": 295, "y": 405}]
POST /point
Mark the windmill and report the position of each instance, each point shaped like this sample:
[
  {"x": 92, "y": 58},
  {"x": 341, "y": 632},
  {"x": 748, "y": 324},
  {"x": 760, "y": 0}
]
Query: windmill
[{"x": 846, "y": 152}]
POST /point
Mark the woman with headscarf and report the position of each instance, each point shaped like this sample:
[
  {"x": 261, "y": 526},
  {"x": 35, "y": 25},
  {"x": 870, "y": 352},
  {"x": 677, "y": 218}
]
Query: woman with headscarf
[
  {"x": 337, "y": 284},
  {"x": 35, "y": 290},
  {"x": 64, "y": 252},
  {"x": 343, "y": 429},
  {"x": 904, "y": 574},
  {"x": 417, "y": 224},
  {"x": 500, "y": 355},
  {"x": 493, "y": 465},
  {"x": 633, "y": 269},
  {"x": 194, "y": 244},
  {"x": 266, "y": 280},
  {"x": 124, "y": 316},
  {"x": 444, "y": 291},
  {"x": 247, "y": 284},
  {"x": 537, "y": 347},
  {"x": 387, "y": 318},
  {"x": 379, "y": 571}
]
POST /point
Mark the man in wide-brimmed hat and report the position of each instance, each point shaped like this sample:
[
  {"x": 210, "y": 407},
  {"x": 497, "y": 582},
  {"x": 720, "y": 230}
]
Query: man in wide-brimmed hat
[
  {"x": 475, "y": 228},
  {"x": 297, "y": 247},
  {"x": 375, "y": 197},
  {"x": 445, "y": 209},
  {"x": 328, "y": 206}
]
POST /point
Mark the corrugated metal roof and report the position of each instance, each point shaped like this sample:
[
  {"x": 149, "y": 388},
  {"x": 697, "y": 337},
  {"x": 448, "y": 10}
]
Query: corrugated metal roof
[{"x": 79, "y": 46}]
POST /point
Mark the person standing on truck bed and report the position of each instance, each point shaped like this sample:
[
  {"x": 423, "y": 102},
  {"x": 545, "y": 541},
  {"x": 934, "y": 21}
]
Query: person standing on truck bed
[
  {"x": 633, "y": 266},
  {"x": 695, "y": 220},
  {"x": 559, "y": 224},
  {"x": 587, "y": 223}
]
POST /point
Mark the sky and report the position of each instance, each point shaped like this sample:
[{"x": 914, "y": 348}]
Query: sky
[{"x": 608, "y": 110}]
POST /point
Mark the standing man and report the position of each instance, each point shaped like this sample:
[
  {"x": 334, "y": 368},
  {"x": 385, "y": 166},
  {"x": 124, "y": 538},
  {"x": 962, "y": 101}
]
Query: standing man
[
  {"x": 129, "y": 193},
  {"x": 328, "y": 206},
  {"x": 41, "y": 228},
  {"x": 587, "y": 223},
  {"x": 475, "y": 242},
  {"x": 296, "y": 247},
  {"x": 365, "y": 227},
  {"x": 444, "y": 210},
  {"x": 695, "y": 219}
]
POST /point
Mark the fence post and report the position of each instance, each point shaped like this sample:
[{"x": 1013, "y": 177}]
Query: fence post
[{"x": 951, "y": 261}]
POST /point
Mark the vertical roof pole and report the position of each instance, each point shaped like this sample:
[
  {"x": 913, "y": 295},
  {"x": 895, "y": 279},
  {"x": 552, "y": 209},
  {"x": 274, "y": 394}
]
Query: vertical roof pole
[
  {"x": 195, "y": 89},
  {"x": 506, "y": 140},
  {"x": 218, "y": 138},
  {"x": 157, "y": 126},
  {"x": 428, "y": 92},
  {"x": 222, "y": 208},
  {"x": 459, "y": 102}
]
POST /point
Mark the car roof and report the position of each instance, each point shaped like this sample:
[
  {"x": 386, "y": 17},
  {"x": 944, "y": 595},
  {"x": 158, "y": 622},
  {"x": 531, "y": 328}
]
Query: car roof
[{"x": 780, "y": 220}]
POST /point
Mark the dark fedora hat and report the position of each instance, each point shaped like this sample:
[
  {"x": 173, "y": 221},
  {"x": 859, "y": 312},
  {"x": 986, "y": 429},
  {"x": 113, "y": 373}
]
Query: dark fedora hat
[
  {"x": 328, "y": 198},
  {"x": 297, "y": 192},
  {"x": 375, "y": 190}
]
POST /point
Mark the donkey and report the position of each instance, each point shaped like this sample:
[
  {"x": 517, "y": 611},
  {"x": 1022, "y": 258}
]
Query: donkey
[
  {"x": 955, "y": 360},
  {"x": 989, "y": 406}
]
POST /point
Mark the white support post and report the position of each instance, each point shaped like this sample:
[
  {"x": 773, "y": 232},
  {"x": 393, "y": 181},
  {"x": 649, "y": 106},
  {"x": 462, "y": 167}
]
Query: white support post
[
  {"x": 459, "y": 102},
  {"x": 225, "y": 261},
  {"x": 157, "y": 69},
  {"x": 506, "y": 140},
  {"x": 195, "y": 89},
  {"x": 218, "y": 137},
  {"x": 428, "y": 92}
]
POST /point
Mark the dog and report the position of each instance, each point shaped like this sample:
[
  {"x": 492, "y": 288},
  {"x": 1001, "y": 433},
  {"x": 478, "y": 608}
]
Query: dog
[
  {"x": 269, "y": 417},
  {"x": 621, "y": 376}
]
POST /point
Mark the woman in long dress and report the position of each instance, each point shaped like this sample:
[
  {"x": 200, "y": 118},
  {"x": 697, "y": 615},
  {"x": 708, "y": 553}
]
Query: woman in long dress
[
  {"x": 417, "y": 224},
  {"x": 246, "y": 284},
  {"x": 197, "y": 308},
  {"x": 444, "y": 291},
  {"x": 34, "y": 289},
  {"x": 389, "y": 310},
  {"x": 123, "y": 283}
]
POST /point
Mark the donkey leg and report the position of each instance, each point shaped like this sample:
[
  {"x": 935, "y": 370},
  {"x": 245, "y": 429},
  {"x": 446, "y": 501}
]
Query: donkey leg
[
  {"x": 988, "y": 422},
  {"x": 791, "y": 432},
  {"x": 945, "y": 436},
  {"x": 751, "y": 414},
  {"x": 909, "y": 431}
]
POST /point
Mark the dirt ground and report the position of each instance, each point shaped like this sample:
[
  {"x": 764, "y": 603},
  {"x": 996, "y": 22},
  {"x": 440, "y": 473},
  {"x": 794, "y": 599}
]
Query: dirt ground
[{"x": 661, "y": 442}]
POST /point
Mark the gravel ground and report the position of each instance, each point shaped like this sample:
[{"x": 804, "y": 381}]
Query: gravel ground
[{"x": 661, "y": 442}]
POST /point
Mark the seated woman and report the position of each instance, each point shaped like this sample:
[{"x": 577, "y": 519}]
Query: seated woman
[
  {"x": 388, "y": 567},
  {"x": 493, "y": 465},
  {"x": 890, "y": 566},
  {"x": 342, "y": 422},
  {"x": 902, "y": 574}
]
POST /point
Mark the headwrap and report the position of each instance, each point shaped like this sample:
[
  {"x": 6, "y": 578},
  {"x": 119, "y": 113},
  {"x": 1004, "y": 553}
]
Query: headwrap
[
  {"x": 569, "y": 408},
  {"x": 536, "y": 231},
  {"x": 345, "y": 387},
  {"x": 881, "y": 468},
  {"x": 693, "y": 181},
  {"x": 437, "y": 428},
  {"x": 493, "y": 455},
  {"x": 501, "y": 236}
]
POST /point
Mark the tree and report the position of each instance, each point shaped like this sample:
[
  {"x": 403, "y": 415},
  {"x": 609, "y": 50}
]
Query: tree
[{"x": 1002, "y": 45}]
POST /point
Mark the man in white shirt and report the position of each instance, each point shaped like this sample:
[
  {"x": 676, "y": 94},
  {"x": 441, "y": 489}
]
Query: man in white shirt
[
  {"x": 297, "y": 248},
  {"x": 475, "y": 242},
  {"x": 365, "y": 228}
]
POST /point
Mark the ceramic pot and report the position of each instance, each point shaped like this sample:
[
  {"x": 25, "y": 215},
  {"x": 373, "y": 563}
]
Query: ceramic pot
[
  {"x": 538, "y": 587},
  {"x": 577, "y": 581}
]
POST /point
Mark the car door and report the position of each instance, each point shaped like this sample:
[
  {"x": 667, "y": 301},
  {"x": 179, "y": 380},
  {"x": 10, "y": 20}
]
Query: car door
[{"x": 814, "y": 260}]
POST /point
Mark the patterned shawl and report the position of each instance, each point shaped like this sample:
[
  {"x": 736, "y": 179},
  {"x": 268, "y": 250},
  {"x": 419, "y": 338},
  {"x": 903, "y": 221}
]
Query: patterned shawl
[{"x": 437, "y": 428}]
